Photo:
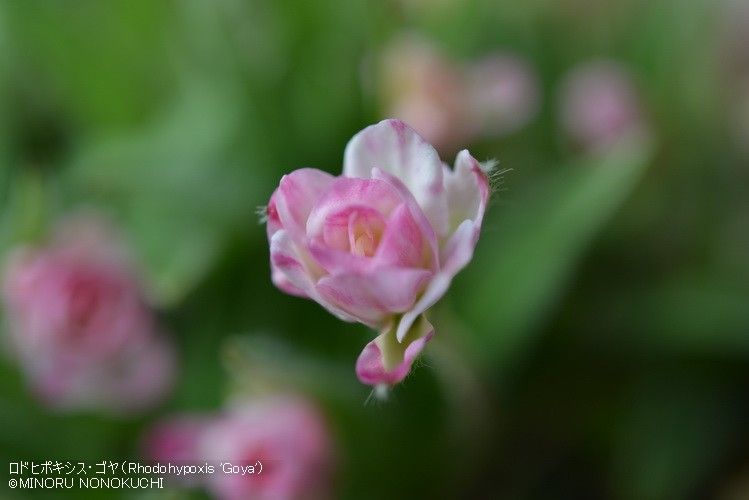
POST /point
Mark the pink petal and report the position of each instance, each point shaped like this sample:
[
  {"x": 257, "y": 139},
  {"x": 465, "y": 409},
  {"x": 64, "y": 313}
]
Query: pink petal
[
  {"x": 469, "y": 190},
  {"x": 295, "y": 197},
  {"x": 370, "y": 367},
  {"x": 396, "y": 148},
  {"x": 282, "y": 282},
  {"x": 293, "y": 271},
  {"x": 425, "y": 228},
  {"x": 340, "y": 228},
  {"x": 285, "y": 263},
  {"x": 402, "y": 243},
  {"x": 373, "y": 297},
  {"x": 435, "y": 290},
  {"x": 345, "y": 192},
  {"x": 336, "y": 261},
  {"x": 287, "y": 270},
  {"x": 273, "y": 223}
]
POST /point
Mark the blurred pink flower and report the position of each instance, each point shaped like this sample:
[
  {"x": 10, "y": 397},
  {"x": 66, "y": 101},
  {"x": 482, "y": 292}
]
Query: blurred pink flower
[
  {"x": 734, "y": 38},
  {"x": 450, "y": 104},
  {"x": 381, "y": 243},
  {"x": 78, "y": 324},
  {"x": 176, "y": 439},
  {"x": 599, "y": 105},
  {"x": 740, "y": 118},
  {"x": 426, "y": 90},
  {"x": 503, "y": 94},
  {"x": 289, "y": 439},
  {"x": 733, "y": 55}
]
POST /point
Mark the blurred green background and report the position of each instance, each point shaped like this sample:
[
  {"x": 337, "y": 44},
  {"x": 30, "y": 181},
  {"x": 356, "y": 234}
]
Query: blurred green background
[{"x": 597, "y": 347}]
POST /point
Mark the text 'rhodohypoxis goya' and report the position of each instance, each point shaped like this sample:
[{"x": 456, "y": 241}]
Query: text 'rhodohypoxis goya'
[{"x": 381, "y": 243}]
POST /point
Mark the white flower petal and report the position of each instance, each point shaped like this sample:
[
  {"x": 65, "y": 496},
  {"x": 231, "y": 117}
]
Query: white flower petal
[{"x": 394, "y": 147}]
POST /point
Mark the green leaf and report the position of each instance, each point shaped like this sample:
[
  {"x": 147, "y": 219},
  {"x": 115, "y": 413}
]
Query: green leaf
[
  {"x": 176, "y": 186},
  {"x": 260, "y": 364},
  {"x": 688, "y": 316},
  {"x": 671, "y": 435},
  {"x": 107, "y": 64}
]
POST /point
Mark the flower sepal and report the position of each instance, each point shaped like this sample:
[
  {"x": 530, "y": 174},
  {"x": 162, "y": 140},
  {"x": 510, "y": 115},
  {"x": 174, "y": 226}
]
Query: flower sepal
[{"x": 385, "y": 361}]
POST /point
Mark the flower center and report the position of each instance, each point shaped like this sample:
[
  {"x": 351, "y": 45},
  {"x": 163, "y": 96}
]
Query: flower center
[
  {"x": 85, "y": 297},
  {"x": 364, "y": 232},
  {"x": 355, "y": 229}
]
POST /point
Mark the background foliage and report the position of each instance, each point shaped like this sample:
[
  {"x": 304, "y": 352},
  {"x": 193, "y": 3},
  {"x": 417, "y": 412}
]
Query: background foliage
[{"x": 597, "y": 346}]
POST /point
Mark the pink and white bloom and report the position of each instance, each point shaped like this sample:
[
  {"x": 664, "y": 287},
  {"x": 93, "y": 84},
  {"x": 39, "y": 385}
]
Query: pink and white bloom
[
  {"x": 284, "y": 439},
  {"x": 381, "y": 243},
  {"x": 600, "y": 105},
  {"x": 79, "y": 326}
]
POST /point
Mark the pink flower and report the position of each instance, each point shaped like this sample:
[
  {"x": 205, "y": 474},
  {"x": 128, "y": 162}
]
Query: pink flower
[
  {"x": 503, "y": 94},
  {"x": 381, "y": 243},
  {"x": 740, "y": 119},
  {"x": 422, "y": 87},
  {"x": 449, "y": 103},
  {"x": 286, "y": 442},
  {"x": 733, "y": 31},
  {"x": 599, "y": 105},
  {"x": 78, "y": 324},
  {"x": 176, "y": 438}
]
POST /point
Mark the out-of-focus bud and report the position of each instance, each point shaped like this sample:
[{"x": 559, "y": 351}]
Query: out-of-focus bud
[
  {"x": 734, "y": 38},
  {"x": 733, "y": 54},
  {"x": 450, "y": 104},
  {"x": 600, "y": 106},
  {"x": 283, "y": 441},
  {"x": 503, "y": 94},
  {"x": 78, "y": 324},
  {"x": 426, "y": 90},
  {"x": 740, "y": 118}
]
